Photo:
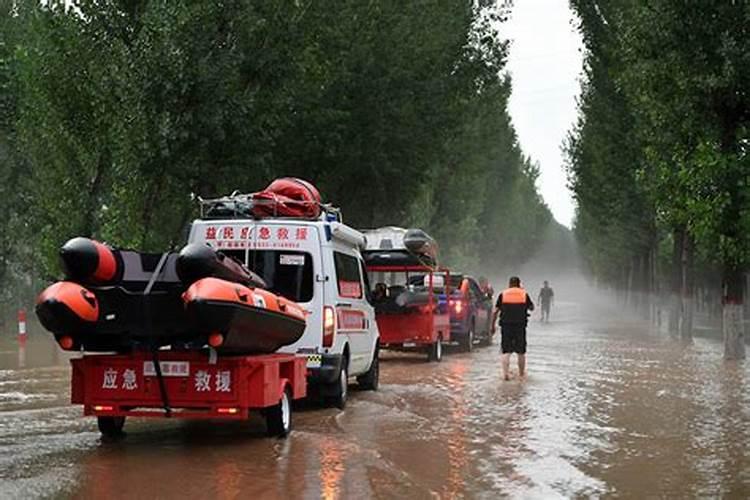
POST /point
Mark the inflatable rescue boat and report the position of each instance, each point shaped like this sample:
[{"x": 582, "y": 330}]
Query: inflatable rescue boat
[
  {"x": 118, "y": 300},
  {"x": 243, "y": 319}
]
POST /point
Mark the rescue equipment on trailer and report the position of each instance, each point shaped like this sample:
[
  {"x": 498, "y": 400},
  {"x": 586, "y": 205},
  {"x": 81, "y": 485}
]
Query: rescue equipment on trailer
[
  {"x": 88, "y": 261},
  {"x": 126, "y": 299},
  {"x": 244, "y": 320},
  {"x": 198, "y": 261}
]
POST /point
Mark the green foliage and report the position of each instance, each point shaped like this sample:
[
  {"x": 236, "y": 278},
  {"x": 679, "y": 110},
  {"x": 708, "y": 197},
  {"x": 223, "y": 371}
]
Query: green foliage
[
  {"x": 665, "y": 111},
  {"x": 396, "y": 110}
]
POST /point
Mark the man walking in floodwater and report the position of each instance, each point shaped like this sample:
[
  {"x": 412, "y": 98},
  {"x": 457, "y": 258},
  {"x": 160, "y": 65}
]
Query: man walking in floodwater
[
  {"x": 484, "y": 285},
  {"x": 513, "y": 306},
  {"x": 545, "y": 298}
]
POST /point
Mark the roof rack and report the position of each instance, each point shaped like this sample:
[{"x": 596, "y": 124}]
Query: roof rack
[{"x": 240, "y": 206}]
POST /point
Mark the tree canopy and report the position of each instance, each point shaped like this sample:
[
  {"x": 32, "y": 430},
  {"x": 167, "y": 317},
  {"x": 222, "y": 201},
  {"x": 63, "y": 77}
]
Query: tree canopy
[
  {"x": 113, "y": 113},
  {"x": 661, "y": 147}
]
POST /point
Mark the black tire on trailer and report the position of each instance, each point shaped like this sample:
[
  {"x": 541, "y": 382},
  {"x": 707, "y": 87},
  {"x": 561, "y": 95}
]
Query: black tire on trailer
[
  {"x": 436, "y": 350},
  {"x": 340, "y": 387},
  {"x": 279, "y": 417},
  {"x": 369, "y": 381},
  {"x": 111, "y": 427}
]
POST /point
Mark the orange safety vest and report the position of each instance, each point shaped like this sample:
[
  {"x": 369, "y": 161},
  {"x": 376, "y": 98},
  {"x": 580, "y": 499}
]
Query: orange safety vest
[
  {"x": 514, "y": 307},
  {"x": 514, "y": 295}
]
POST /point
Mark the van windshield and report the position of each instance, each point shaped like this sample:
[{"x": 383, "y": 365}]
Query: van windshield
[{"x": 287, "y": 273}]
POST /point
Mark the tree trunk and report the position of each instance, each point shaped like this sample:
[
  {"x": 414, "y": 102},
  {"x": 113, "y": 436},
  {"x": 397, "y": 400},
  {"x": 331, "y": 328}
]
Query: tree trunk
[
  {"x": 629, "y": 293},
  {"x": 675, "y": 289},
  {"x": 654, "y": 287},
  {"x": 686, "y": 287},
  {"x": 732, "y": 316},
  {"x": 645, "y": 287}
]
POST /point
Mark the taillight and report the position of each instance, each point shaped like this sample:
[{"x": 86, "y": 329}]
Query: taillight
[
  {"x": 215, "y": 339},
  {"x": 329, "y": 326},
  {"x": 66, "y": 342},
  {"x": 458, "y": 306}
]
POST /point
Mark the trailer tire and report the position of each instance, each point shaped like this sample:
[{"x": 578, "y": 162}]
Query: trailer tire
[
  {"x": 369, "y": 381},
  {"x": 110, "y": 427},
  {"x": 279, "y": 417},
  {"x": 340, "y": 388},
  {"x": 436, "y": 350}
]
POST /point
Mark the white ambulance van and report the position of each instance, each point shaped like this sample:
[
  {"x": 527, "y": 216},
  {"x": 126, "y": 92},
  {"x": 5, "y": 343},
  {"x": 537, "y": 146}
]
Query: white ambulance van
[{"x": 318, "y": 264}]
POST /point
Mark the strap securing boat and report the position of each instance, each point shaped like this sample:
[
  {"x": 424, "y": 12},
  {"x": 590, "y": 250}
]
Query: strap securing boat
[{"x": 154, "y": 346}]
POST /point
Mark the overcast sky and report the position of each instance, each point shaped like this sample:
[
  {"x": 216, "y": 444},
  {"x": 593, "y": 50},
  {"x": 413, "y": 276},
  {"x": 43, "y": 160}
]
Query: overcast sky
[{"x": 545, "y": 63}]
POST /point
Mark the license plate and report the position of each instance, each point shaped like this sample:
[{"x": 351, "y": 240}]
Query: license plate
[
  {"x": 410, "y": 344},
  {"x": 168, "y": 368}
]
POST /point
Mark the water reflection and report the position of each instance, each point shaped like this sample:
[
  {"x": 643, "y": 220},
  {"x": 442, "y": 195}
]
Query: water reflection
[
  {"x": 22, "y": 354},
  {"x": 331, "y": 469},
  {"x": 610, "y": 408}
]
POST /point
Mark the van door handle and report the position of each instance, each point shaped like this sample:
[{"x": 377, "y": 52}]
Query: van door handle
[{"x": 344, "y": 304}]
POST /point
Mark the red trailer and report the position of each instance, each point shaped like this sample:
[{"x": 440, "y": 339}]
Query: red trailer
[
  {"x": 188, "y": 384},
  {"x": 413, "y": 312}
]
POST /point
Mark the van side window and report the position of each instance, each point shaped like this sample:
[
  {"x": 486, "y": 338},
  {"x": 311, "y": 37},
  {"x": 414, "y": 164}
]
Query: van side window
[
  {"x": 347, "y": 276},
  {"x": 366, "y": 279}
]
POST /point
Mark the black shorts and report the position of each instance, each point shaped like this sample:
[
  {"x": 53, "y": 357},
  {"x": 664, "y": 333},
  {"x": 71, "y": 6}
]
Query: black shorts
[{"x": 513, "y": 339}]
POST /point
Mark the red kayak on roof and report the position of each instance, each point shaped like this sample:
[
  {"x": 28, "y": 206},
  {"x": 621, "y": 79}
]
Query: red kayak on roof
[{"x": 287, "y": 197}]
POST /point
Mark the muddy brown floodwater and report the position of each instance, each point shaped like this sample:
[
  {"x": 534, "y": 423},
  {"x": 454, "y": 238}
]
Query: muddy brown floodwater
[{"x": 610, "y": 408}]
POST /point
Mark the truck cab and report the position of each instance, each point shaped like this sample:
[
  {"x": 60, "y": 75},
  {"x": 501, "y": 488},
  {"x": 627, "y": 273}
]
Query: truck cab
[{"x": 318, "y": 264}]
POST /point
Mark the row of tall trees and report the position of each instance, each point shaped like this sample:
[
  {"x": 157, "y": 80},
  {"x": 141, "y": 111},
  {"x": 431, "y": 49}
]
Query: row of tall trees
[
  {"x": 659, "y": 158},
  {"x": 113, "y": 112}
]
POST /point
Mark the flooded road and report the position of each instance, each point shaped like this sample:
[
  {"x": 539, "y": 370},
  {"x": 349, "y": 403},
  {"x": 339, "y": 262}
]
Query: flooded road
[{"x": 610, "y": 408}]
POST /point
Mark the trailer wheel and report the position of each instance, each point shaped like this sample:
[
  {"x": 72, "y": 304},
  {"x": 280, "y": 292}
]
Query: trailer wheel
[
  {"x": 279, "y": 417},
  {"x": 369, "y": 381},
  {"x": 110, "y": 427},
  {"x": 436, "y": 350},
  {"x": 340, "y": 388}
]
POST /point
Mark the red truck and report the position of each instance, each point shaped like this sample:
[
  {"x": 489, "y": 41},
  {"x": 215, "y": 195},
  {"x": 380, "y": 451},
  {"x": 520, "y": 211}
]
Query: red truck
[
  {"x": 188, "y": 384},
  {"x": 411, "y": 304}
]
